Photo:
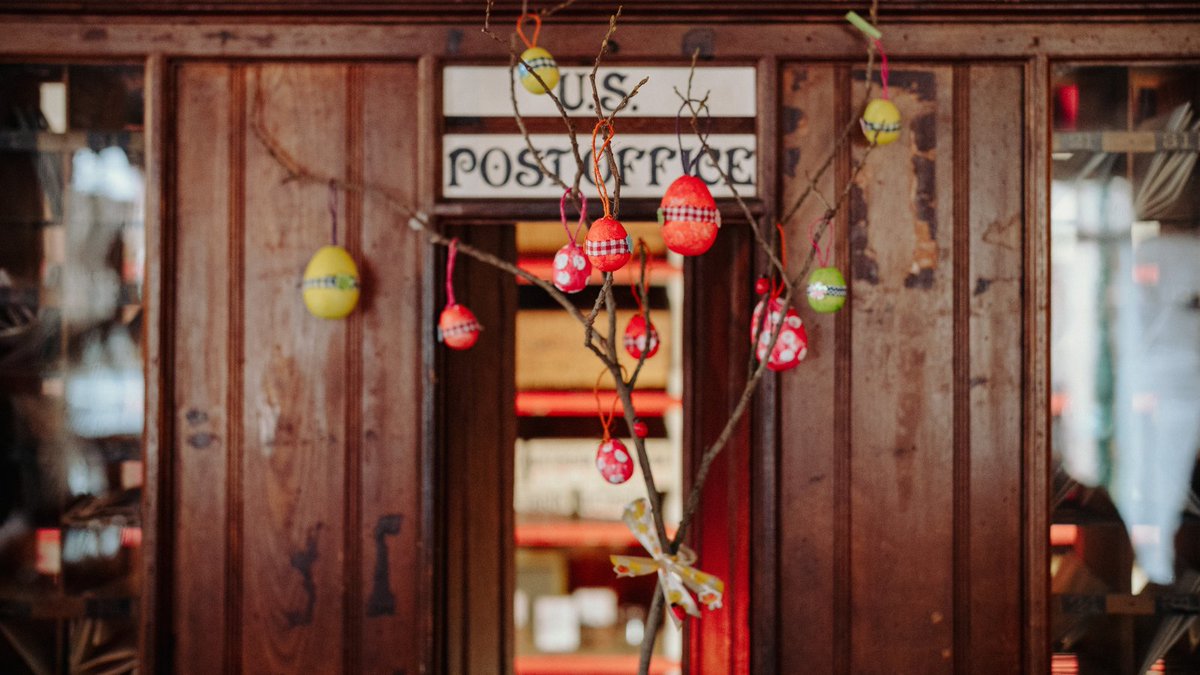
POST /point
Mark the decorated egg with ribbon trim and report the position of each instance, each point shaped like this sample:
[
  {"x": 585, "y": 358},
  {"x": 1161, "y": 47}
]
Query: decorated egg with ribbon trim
[
  {"x": 458, "y": 328},
  {"x": 689, "y": 216},
  {"x": 792, "y": 345},
  {"x": 826, "y": 289},
  {"x": 571, "y": 269},
  {"x": 613, "y": 461},
  {"x": 331, "y": 283},
  {"x": 638, "y": 339},
  {"x": 608, "y": 245},
  {"x": 881, "y": 121},
  {"x": 542, "y": 63}
]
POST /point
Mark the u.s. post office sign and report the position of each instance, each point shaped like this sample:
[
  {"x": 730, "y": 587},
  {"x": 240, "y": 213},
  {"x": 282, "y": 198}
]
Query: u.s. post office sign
[{"x": 479, "y": 163}]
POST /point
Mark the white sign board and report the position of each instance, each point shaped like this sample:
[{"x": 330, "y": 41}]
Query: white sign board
[
  {"x": 483, "y": 91},
  {"x": 501, "y": 166}
]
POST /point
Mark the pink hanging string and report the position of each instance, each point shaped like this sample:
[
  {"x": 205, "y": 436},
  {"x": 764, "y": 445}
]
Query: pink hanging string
[
  {"x": 450, "y": 301},
  {"x": 562, "y": 211},
  {"x": 333, "y": 209},
  {"x": 822, "y": 253},
  {"x": 883, "y": 68}
]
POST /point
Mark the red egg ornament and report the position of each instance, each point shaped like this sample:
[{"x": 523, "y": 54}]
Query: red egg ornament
[
  {"x": 613, "y": 461},
  {"x": 689, "y": 216},
  {"x": 458, "y": 328},
  {"x": 792, "y": 345},
  {"x": 608, "y": 245},
  {"x": 640, "y": 336},
  {"x": 640, "y": 429},
  {"x": 571, "y": 269}
]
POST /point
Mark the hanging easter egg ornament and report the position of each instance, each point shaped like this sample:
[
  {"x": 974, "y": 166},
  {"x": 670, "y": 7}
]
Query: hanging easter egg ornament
[
  {"x": 640, "y": 335},
  {"x": 881, "y": 119},
  {"x": 792, "y": 344},
  {"x": 826, "y": 285},
  {"x": 608, "y": 245},
  {"x": 535, "y": 60},
  {"x": 457, "y": 326},
  {"x": 688, "y": 213},
  {"x": 613, "y": 460},
  {"x": 330, "y": 285},
  {"x": 571, "y": 266}
]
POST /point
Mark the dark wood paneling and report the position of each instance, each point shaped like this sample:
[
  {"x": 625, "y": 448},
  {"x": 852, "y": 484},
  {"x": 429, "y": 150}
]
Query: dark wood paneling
[
  {"x": 299, "y": 471},
  {"x": 203, "y": 436},
  {"x": 809, "y": 408},
  {"x": 993, "y": 284}
]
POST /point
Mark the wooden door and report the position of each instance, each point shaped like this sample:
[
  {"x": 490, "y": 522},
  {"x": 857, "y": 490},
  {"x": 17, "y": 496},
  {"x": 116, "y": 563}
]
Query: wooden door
[
  {"x": 297, "y": 470},
  {"x": 899, "y": 481}
]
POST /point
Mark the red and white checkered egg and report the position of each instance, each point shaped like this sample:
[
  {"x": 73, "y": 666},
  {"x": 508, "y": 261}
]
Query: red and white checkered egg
[
  {"x": 608, "y": 245},
  {"x": 614, "y": 462},
  {"x": 638, "y": 339},
  {"x": 792, "y": 345},
  {"x": 689, "y": 216},
  {"x": 458, "y": 327},
  {"x": 571, "y": 269}
]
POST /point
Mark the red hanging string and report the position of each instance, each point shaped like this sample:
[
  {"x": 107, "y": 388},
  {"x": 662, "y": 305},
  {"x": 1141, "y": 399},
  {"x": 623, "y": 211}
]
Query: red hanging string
[
  {"x": 537, "y": 28},
  {"x": 777, "y": 288},
  {"x": 822, "y": 253},
  {"x": 333, "y": 208},
  {"x": 600, "y": 186},
  {"x": 883, "y": 68},
  {"x": 562, "y": 211},
  {"x": 450, "y": 301},
  {"x": 633, "y": 283},
  {"x": 605, "y": 422}
]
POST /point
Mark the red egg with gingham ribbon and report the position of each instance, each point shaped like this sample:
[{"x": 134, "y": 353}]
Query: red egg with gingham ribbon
[
  {"x": 640, "y": 336},
  {"x": 689, "y": 216},
  {"x": 614, "y": 462},
  {"x": 457, "y": 326},
  {"x": 792, "y": 345},
  {"x": 608, "y": 245}
]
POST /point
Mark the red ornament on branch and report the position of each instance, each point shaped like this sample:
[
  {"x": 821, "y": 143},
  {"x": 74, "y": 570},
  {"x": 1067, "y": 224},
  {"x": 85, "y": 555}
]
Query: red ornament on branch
[
  {"x": 612, "y": 457},
  {"x": 457, "y": 326},
  {"x": 608, "y": 245},
  {"x": 689, "y": 216},
  {"x": 571, "y": 266}
]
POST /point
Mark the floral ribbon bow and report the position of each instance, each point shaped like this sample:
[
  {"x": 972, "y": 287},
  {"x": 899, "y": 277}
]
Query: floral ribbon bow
[{"x": 675, "y": 572}]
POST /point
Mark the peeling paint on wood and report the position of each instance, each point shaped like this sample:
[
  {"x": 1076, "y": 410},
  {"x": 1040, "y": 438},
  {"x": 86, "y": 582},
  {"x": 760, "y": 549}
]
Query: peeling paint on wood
[{"x": 302, "y": 561}]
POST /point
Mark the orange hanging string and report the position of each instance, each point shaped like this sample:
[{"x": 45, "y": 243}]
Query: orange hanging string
[
  {"x": 605, "y": 422},
  {"x": 600, "y": 186},
  {"x": 633, "y": 283},
  {"x": 537, "y": 28}
]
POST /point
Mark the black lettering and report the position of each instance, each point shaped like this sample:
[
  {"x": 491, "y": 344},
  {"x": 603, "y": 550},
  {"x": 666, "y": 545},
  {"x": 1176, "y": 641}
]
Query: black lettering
[
  {"x": 554, "y": 156},
  {"x": 733, "y": 164},
  {"x": 656, "y": 164},
  {"x": 530, "y": 175},
  {"x": 564, "y": 89},
  {"x": 710, "y": 159},
  {"x": 468, "y": 164},
  {"x": 625, "y": 164},
  {"x": 486, "y": 167},
  {"x": 614, "y": 83}
]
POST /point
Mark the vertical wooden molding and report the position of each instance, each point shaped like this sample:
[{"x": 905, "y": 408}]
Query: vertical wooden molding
[
  {"x": 843, "y": 325},
  {"x": 236, "y": 307},
  {"x": 433, "y": 560},
  {"x": 353, "y": 603},
  {"x": 1036, "y": 416},
  {"x": 764, "y": 451},
  {"x": 154, "y": 620},
  {"x": 961, "y": 470}
]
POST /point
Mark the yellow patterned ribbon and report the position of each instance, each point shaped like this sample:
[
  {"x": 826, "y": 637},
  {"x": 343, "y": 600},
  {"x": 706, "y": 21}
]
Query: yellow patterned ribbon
[{"x": 675, "y": 572}]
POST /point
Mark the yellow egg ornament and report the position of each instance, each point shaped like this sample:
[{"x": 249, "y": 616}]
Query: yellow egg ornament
[
  {"x": 538, "y": 60},
  {"x": 881, "y": 122},
  {"x": 331, "y": 283}
]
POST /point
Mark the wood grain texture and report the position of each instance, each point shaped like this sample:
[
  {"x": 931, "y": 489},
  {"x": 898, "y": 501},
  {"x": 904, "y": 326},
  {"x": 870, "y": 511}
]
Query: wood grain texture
[
  {"x": 202, "y": 433},
  {"x": 994, "y": 379},
  {"x": 809, "y": 408},
  {"x": 902, "y": 386},
  {"x": 392, "y": 438}
]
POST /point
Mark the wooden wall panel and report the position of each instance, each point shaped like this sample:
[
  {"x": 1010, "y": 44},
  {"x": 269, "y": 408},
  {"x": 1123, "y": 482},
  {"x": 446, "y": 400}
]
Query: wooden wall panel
[
  {"x": 390, "y": 530},
  {"x": 994, "y": 285},
  {"x": 300, "y": 464},
  {"x": 812, "y": 593},
  {"x": 202, "y": 361}
]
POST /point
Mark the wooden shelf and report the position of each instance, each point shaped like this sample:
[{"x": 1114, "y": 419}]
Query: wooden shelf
[
  {"x": 576, "y": 533},
  {"x": 588, "y": 664},
  {"x": 1125, "y": 141},
  {"x": 583, "y": 403},
  {"x": 44, "y": 141}
]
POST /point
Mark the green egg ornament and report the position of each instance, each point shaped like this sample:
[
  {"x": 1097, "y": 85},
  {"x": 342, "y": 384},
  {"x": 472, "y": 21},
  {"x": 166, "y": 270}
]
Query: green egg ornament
[
  {"x": 881, "y": 122},
  {"x": 542, "y": 63},
  {"x": 331, "y": 283},
  {"x": 826, "y": 290}
]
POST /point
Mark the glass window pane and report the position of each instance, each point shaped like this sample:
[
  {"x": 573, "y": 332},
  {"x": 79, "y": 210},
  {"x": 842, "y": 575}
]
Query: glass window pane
[
  {"x": 71, "y": 377},
  {"x": 1125, "y": 374}
]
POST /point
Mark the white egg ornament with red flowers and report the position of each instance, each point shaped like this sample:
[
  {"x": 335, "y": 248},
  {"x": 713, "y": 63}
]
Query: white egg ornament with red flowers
[
  {"x": 571, "y": 269},
  {"x": 641, "y": 336},
  {"x": 792, "y": 345},
  {"x": 614, "y": 462}
]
